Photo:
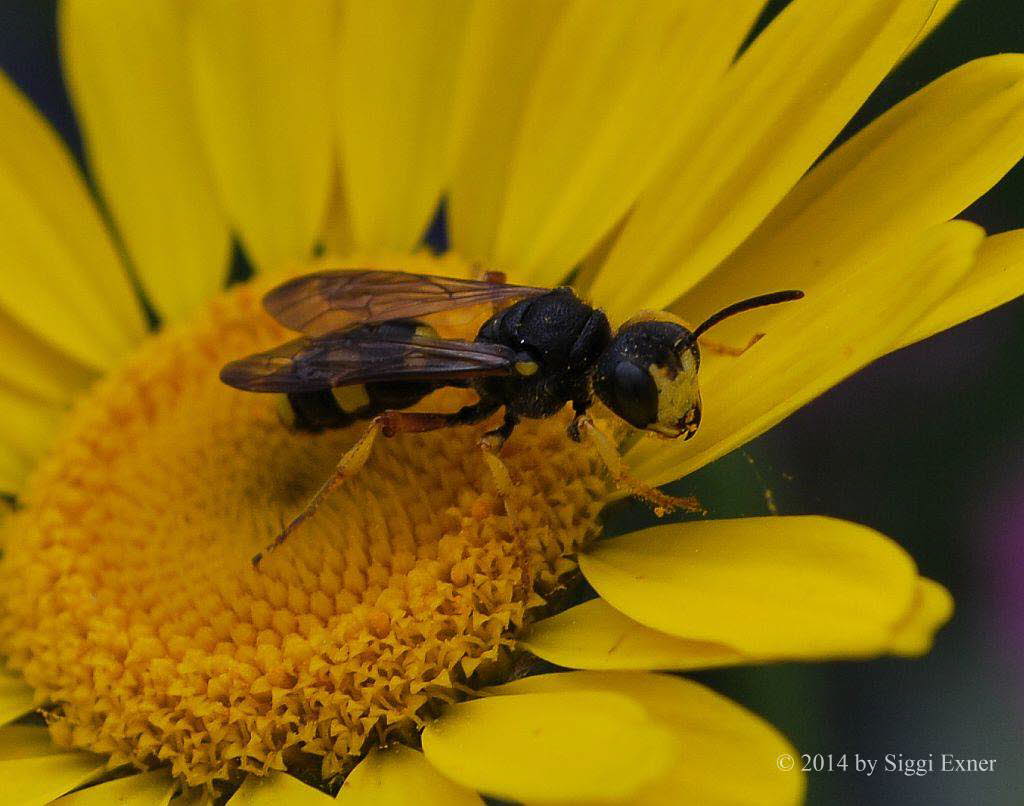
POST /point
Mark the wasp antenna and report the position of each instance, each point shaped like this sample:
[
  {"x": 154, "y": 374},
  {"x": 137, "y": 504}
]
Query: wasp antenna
[{"x": 744, "y": 305}]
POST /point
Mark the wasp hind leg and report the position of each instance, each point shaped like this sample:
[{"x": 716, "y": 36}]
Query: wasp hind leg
[
  {"x": 349, "y": 464},
  {"x": 418, "y": 422},
  {"x": 389, "y": 423},
  {"x": 662, "y": 503}
]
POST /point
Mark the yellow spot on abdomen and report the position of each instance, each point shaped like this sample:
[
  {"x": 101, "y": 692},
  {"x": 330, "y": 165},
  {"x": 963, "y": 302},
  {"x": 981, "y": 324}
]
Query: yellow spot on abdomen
[{"x": 351, "y": 398}]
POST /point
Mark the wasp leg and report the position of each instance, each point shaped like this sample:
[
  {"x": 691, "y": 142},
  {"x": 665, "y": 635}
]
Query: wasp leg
[
  {"x": 579, "y": 409},
  {"x": 494, "y": 440},
  {"x": 349, "y": 464},
  {"x": 418, "y": 422},
  {"x": 719, "y": 348},
  {"x": 397, "y": 422},
  {"x": 389, "y": 424},
  {"x": 491, "y": 444},
  {"x": 606, "y": 450}
]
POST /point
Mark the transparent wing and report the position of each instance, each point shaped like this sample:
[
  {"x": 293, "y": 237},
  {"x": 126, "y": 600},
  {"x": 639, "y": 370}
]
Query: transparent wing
[
  {"x": 341, "y": 359},
  {"x": 326, "y": 301}
]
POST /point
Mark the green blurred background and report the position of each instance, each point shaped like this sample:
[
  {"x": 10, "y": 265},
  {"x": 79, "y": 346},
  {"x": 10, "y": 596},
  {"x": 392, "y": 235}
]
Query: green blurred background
[{"x": 926, "y": 445}]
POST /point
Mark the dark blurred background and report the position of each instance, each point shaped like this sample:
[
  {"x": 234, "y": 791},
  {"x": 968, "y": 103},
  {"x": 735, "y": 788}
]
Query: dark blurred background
[{"x": 926, "y": 445}]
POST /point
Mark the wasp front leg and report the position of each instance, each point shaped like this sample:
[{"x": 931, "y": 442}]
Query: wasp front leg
[{"x": 662, "y": 503}]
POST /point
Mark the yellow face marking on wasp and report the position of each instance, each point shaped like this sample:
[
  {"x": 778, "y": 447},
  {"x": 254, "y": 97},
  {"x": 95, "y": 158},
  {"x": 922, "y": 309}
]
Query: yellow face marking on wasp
[
  {"x": 351, "y": 398},
  {"x": 527, "y": 368},
  {"x": 678, "y": 397}
]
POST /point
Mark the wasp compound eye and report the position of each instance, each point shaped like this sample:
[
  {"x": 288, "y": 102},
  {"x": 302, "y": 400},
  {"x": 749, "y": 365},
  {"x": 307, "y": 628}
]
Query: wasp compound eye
[{"x": 629, "y": 391}]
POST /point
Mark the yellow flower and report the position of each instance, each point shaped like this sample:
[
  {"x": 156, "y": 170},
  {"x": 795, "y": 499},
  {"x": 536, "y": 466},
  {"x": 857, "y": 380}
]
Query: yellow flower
[{"x": 619, "y": 138}]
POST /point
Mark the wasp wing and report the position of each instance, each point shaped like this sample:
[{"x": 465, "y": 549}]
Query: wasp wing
[
  {"x": 307, "y": 365},
  {"x": 325, "y": 301}
]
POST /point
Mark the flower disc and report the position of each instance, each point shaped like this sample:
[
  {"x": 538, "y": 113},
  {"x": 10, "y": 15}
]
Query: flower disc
[{"x": 133, "y": 609}]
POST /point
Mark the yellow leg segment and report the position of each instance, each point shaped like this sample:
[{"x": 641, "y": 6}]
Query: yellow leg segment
[
  {"x": 498, "y": 469},
  {"x": 490, "y": 446},
  {"x": 350, "y": 464},
  {"x": 718, "y": 347},
  {"x": 662, "y": 503}
]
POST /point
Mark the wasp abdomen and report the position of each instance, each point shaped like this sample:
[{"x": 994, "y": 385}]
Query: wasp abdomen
[{"x": 345, "y": 405}]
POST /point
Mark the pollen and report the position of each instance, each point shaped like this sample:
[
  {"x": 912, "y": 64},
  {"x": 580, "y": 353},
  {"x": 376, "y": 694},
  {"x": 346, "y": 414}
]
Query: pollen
[{"x": 129, "y": 602}]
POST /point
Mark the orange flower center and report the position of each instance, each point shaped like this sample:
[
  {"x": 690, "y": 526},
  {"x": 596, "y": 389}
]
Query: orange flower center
[{"x": 129, "y": 601}]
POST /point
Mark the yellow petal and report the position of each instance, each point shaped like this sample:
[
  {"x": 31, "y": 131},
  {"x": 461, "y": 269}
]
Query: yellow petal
[
  {"x": 27, "y": 741},
  {"x": 775, "y": 587},
  {"x": 931, "y": 608},
  {"x": 852, "y": 314},
  {"x": 127, "y": 72},
  {"x": 504, "y": 46},
  {"x": 726, "y": 754},
  {"x": 399, "y": 775},
  {"x": 594, "y": 635},
  {"x": 33, "y": 366},
  {"x": 336, "y": 232},
  {"x": 15, "y": 698},
  {"x": 615, "y": 88},
  {"x": 398, "y": 65},
  {"x": 62, "y": 277},
  {"x": 785, "y": 100},
  {"x": 146, "y": 789},
  {"x": 38, "y": 780},
  {"x": 996, "y": 278},
  {"x": 916, "y": 166},
  {"x": 14, "y": 468},
  {"x": 550, "y": 747},
  {"x": 277, "y": 788},
  {"x": 261, "y": 73},
  {"x": 27, "y": 427}
]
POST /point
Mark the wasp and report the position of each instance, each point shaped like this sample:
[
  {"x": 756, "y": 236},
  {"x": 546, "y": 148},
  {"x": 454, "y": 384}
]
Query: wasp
[{"x": 366, "y": 354}]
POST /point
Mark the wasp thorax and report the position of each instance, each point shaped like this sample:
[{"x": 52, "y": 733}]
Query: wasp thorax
[{"x": 648, "y": 377}]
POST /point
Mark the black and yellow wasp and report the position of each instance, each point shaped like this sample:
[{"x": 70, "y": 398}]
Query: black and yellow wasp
[{"x": 366, "y": 354}]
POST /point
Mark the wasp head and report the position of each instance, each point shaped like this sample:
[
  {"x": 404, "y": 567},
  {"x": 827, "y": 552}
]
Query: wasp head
[
  {"x": 648, "y": 377},
  {"x": 648, "y": 374}
]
